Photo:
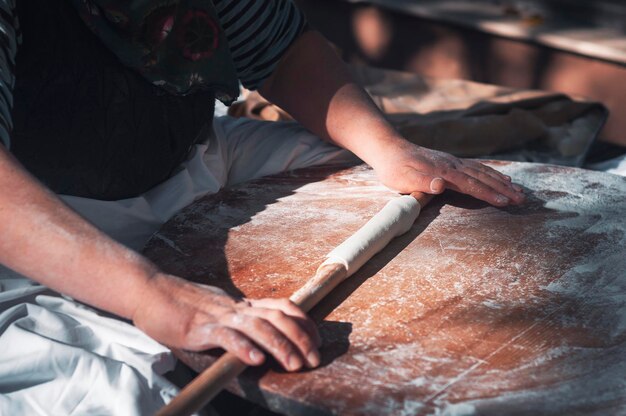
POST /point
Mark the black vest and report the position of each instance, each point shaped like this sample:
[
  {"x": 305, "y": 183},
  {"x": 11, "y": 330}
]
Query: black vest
[{"x": 84, "y": 124}]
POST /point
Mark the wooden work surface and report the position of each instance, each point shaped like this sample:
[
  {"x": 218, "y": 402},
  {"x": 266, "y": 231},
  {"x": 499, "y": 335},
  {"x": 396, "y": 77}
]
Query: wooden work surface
[{"x": 475, "y": 310}]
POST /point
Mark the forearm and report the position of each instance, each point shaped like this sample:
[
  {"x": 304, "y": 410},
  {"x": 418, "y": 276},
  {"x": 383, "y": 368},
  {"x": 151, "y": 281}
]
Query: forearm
[
  {"x": 316, "y": 88},
  {"x": 42, "y": 238}
]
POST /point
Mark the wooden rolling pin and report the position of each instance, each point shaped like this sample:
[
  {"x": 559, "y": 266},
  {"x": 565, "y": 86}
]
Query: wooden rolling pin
[{"x": 394, "y": 219}]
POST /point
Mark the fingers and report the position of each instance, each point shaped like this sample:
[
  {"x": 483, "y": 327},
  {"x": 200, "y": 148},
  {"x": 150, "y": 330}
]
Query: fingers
[
  {"x": 484, "y": 187},
  {"x": 469, "y": 177},
  {"x": 461, "y": 182},
  {"x": 233, "y": 341},
  {"x": 437, "y": 185},
  {"x": 408, "y": 168},
  {"x": 290, "y": 308},
  {"x": 265, "y": 327},
  {"x": 496, "y": 175},
  {"x": 242, "y": 328},
  {"x": 499, "y": 185},
  {"x": 411, "y": 180},
  {"x": 293, "y": 331},
  {"x": 488, "y": 170}
]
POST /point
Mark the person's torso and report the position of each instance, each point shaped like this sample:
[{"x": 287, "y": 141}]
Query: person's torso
[{"x": 85, "y": 124}]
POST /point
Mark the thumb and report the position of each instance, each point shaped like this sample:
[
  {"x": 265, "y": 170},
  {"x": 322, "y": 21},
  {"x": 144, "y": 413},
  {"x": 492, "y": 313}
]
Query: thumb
[
  {"x": 437, "y": 185},
  {"x": 412, "y": 180}
]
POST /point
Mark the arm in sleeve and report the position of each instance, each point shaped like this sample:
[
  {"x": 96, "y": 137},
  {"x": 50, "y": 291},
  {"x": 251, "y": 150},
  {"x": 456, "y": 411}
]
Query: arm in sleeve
[
  {"x": 9, "y": 39},
  {"x": 259, "y": 32}
]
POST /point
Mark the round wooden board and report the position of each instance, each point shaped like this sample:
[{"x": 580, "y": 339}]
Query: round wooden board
[{"x": 476, "y": 310}]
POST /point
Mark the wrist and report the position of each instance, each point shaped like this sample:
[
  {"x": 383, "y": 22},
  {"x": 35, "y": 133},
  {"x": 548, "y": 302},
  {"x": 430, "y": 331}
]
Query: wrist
[
  {"x": 382, "y": 150},
  {"x": 155, "y": 289},
  {"x": 130, "y": 282}
]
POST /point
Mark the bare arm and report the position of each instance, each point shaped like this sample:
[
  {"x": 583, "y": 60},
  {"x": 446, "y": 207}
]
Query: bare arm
[
  {"x": 42, "y": 238},
  {"x": 314, "y": 86}
]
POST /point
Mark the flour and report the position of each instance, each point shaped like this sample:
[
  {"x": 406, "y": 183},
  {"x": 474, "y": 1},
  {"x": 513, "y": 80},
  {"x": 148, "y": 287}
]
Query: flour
[
  {"x": 461, "y": 409},
  {"x": 476, "y": 310},
  {"x": 571, "y": 375}
]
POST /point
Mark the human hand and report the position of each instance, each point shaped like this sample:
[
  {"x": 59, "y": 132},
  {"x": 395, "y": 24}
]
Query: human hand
[
  {"x": 407, "y": 167},
  {"x": 196, "y": 317}
]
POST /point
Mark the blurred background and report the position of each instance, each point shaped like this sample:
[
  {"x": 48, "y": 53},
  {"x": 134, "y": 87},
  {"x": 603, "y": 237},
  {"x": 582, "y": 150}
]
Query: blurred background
[{"x": 577, "y": 47}]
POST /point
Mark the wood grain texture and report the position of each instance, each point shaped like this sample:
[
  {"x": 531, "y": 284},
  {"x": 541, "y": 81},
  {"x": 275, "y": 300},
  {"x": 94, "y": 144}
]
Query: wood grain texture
[{"x": 476, "y": 310}]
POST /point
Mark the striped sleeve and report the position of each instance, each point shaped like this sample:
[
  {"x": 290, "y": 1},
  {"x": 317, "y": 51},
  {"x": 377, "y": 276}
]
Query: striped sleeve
[
  {"x": 259, "y": 32},
  {"x": 9, "y": 36}
]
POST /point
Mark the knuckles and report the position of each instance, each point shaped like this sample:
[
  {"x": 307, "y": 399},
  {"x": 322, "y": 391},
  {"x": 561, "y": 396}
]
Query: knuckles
[
  {"x": 276, "y": 315},
  {"x": 473, "y": 182},
  {"x": 288, "y": 304}
]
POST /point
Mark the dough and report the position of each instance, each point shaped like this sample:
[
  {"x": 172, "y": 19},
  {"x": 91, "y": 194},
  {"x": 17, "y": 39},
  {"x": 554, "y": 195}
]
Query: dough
[{"x": 396, "y": 218}]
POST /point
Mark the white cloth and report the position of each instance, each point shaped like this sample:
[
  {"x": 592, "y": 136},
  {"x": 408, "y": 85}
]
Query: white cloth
[
  {"x": 58, "y": 357},
  {"x": 241, "y": 150},
  {"x": 616, "y": 166}
]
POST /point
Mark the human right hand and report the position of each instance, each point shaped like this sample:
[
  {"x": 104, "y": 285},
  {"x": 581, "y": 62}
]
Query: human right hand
[
  {"x": 196, "y": 317},
  {"x": 77, "y": 259}
]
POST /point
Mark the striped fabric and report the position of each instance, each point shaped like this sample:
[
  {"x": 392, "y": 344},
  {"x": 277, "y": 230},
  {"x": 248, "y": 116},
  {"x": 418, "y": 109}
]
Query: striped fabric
[
  {"x": 258, "y": 33},
  {"x": 9, "y": 36}
]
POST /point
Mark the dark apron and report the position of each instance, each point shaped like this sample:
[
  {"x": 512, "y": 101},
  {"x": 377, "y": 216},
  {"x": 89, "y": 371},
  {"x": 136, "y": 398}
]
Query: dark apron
[{"x": 86, "y": 125}]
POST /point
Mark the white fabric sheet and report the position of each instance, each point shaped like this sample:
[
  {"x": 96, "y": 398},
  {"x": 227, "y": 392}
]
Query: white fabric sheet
[
  {"x": 58, "y": 357},
  {"x": 616, "y": 166}
]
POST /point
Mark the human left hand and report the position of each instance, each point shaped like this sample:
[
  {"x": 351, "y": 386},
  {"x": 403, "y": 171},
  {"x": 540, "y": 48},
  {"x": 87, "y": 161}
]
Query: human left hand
[
  {"x": 339, "y": 110},
  {"x": 407, "y": 167}
]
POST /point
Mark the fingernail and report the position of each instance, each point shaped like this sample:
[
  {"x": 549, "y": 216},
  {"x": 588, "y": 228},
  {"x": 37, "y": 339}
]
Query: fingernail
[
  {"x": 507, "y": 177},
  {"x": 436, "y": 185},
  {"x": 313, "y": 358},
  {"x": 518, "y": 188},
  {"x": 293, "y": 362},
  {"x": 501, "y": 199},
  {"x": 256, "y": 356}
]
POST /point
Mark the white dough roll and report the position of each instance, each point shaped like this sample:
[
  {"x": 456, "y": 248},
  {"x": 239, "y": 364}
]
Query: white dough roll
[{"x": 396, "y": 218}]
